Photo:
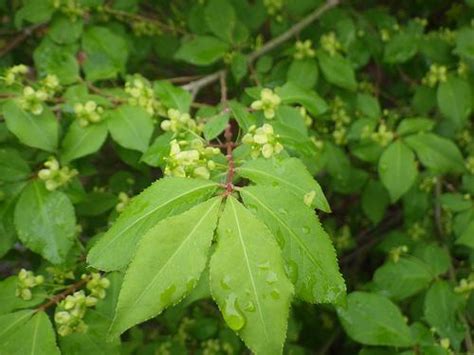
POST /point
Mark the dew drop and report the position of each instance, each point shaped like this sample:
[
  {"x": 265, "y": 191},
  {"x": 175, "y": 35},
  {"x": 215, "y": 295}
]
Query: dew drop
[
  {"x": 275, "y": 294},
  {"x": 271, "y": 278},
  {"x": 225, "y": 282},
  {"x": 280, "y": 239},
  {"x": 305, "y": 230},
  {"x": 190, "y": 284},
  {"x": 283, "y": 211},
  {"x": 264, "y": 266},
  {"x": 292, "y": 271},
  {"x": 165, "y": 297},
  {"x": 234, "y": 319},
  {"x": 249, "y": 307}
]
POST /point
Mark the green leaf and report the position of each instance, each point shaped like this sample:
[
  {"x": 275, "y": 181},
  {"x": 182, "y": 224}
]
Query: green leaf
[
  {"x": 12, "y": 166},
  {"x": 467, "y": 237},
  {"x": 371, "y": 319},
  {"x": 440, "y": 310},
  {"x": 64, "y": 30},
  {"x": 9, "y": 301},
  {"x": 311, "y": 261},
  {"x": 434, "y": 256},
  {"x": 38, "y": 131},
  {"x": 337, "y": 70},
  {"x": 166, "y": 197},
  {"x": 242, "y": 116},
  {"x": 158, "y": 150},
  {"x": 412, "y": 276},
  {"x": 248, "y": 281},
  {"x": 465, "y": 42},
  {"x": 239, "y": 66},
  {"x": 292, "y": 94},
  {"x": 11, "y": 322},
  {"x": 106, "y": 53},
  {"x": 397, "y": 169},
  {"x": 34, "y": 11},
  {"x": 455, "y": 100},
  {"x": 414, "y": 125},
  {"x": 375, "y": 200},
  {"x": 81, "y": 141},
  {"x": 131, "y": 127},
  {"x": 45, "y": 222},
  {"x": 402, "y": 47},
  {"x": 215, "y": 125},
  {"x": 36, "y": 336},
  {"x": 288, "y": 173},
  {"x": 437, "y": 153},
  {"x": 202, "y": 50},
  {"x": 51, "y": 58},
  {"x": 303, "y": 73},
  {"x": 369, "y": 106},
  {"x": 220, "y": 18},
  {"x": 167, "y": 265},
  {"x": 172, "y": 96},
  {"x": 7, "y": 227}
]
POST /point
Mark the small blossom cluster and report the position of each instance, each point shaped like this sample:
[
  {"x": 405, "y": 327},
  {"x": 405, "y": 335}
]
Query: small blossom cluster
[
  {"x": 304, "y": 49},
  {"x": 273, "y": 7},
  {"x": 145, "y": 28},
  {"x": 26, "y": 281},
  {"x": 263, "y": 141},
  {"x": 268, "y": 103},
  {"x": 465, "y": 285},
  {"x": 55, "y": 176},
  {"x": 308, "y": 120},
  {"x": 180, "y": 123},
  {"x": 330, "y": 43},
  {"x": 437, "y": 74},
  {"x": 60, "y": 275},
  {"x": 71, "y": 311},
  {"x": 396, "y": 252},
  {"x": 427, "y": 183},
  {"x": 216, "y": 346},
  {"x": 15, "y": 74},
  {"x": 382, "y": 136},
  {"x": 141, "y": 94},
  {"x": 190, "y": 159},
  {"x": 72, "y": 8},
  {"x": 88, "y": 113},
  {"x": 32, "y": 99},
  {"x": 124, "y": 200},
  {"x": 341, "y": 119}
]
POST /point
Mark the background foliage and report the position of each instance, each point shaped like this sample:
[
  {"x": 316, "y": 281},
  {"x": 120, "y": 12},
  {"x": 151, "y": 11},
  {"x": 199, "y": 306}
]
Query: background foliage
[{"x": 99, "y": 99}]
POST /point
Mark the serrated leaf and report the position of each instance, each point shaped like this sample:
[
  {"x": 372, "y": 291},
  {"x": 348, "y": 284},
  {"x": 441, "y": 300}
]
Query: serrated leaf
[
  {"x": 337, "y": 70},
  {"x": 412, "y": 276},
  {"x": 38, "y": 131},
  {"x": 288, "y": 173},
  {"x": 467, "y": 237},
  {"x": 240, "y": 113},
  {"x": 12, "y": 166},
  {"x": 9, "y": 301},
  {"x": 397, "y": 169},
  {"x": 220, "y": 18},
  {"x": 166, "y": 197},
  {"x": 215, "y": 125},
  {"x": 437, "y": 153},
  {"x": 202, "y": 50},
  {"x": 158, "y": 150},
  {"x": 455, "y": 100},
  {"x": 45, "y": 222},
  {"x": 81, "y": 141},
  {"x": 303, "y": 73},
  {"x": 415, "y": 125},
  {"x": 440, "y": 311},
  {"x": 311, "y": 261},
  {"x": 248, "y": 281},
  {"x": 290, "y": 93},
  {"x": 402, "y": 47},
  {"x": 166, "y": 266},
  {"x": 131, "y": 127},
  {"x": 11, "y": 322},
  {"x": 36, "y": 336},
  {"x": 372, "y": 319},
  {"x": 375, "y": 200}
]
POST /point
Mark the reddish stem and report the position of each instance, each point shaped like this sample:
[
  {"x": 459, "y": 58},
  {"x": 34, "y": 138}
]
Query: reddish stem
[{"x": 60, "y": 296}]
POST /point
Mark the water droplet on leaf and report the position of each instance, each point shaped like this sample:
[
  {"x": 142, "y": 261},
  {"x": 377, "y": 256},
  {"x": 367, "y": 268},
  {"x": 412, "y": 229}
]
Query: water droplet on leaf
[{"x": 233, "y": 317}]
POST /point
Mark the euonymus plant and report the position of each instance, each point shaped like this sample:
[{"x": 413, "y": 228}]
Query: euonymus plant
[{"x": 235, "y": 176}]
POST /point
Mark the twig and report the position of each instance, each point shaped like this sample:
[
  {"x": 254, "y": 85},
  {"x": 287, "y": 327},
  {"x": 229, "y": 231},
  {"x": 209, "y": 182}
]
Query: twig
[
  {"x": 19, "y": 38},
  {"x": 197, "y": 85},
  {"x": 60, "y": 296}
]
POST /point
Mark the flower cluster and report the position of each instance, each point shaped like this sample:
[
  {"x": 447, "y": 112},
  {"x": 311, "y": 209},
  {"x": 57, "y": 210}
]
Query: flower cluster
[
  {"x": 396, "y": 252},
  {"x": 50, "y": 84},
  {"x": 60, "y": 275},
  {"x": 124, "y": 200},
  {"x": 26, "y": 281},
  {"x": 416, "y": 231},
  {"x": 304, "y": 50},
  {"x": 145, "y": 28},
  {"x": 273, "y": 7},
  {"x": 88, "y": 113},
  {"x": 32, "y": 100},
  {"x": 268, "y": 103},
  {"x": 216, "y": 346},
  {"x": 437, "y": 74},
  {"x": 194, "y": 161},
  {"x": 382, "y": 136},
  {"x": 427, "y": 183},
  {"x": 70, "y": 313},
  {"x": 55, "y": 176},
  {"x": 341, "y": 119},
  {"x": 470, "y": 164},
  {"x": 180, "y": 123},
  {"x": 465, "y": 285},
  {"x": 97, "y": 285},
  {"x": 15, "y": 74},
  {"x": 71, "y": 8},
  {"x": 308, "y": 120},
  {"x": 141, "y": 94},
  {"x": 262, "y": 141},
  {"x": 330, "y": 43}
]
